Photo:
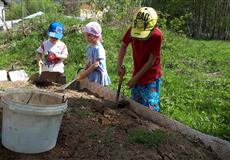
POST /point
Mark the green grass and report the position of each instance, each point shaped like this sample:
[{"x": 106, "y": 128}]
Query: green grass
[
  {"x": 147, "y": 138},
  {"x": 196, "y": 80},
  {"x": 196, "y": 84}
]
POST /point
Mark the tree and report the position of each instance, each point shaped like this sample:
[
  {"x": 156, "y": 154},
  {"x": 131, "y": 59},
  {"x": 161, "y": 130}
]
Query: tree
[{"x": 204, "y": 18}]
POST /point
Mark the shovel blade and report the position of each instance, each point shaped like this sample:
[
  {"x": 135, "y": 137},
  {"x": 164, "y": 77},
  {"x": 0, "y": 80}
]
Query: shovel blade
[{"x": 63, "y": 87}]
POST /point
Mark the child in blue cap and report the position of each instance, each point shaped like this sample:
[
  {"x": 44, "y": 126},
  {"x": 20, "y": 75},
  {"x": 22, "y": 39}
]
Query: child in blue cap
[{"x": 54, "y": 52}]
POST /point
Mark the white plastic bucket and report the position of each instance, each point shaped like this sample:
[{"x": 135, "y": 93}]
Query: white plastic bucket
[{"x": 31, "y": 120}]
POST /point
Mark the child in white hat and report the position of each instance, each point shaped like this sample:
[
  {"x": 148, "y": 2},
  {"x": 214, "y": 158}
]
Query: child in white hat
[{"x": 95, "y": 67}]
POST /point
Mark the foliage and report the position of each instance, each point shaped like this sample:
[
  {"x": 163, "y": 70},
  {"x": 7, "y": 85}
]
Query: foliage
[
  {"x": 116, "y": 11},
  {"x": 175, "y": 12},
  {"x": 16, "y": 10},
  {"x": 151, "y": 139},
  {"x": 177, "y": 25},
  {"x": 197, "y": 18}
]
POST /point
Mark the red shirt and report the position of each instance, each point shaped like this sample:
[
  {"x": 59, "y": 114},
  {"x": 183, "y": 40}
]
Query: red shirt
[{"x": 141, "y": 51}]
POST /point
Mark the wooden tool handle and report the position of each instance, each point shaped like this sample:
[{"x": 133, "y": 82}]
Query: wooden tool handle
[
  {"x": 122, "y": 76},
  {"x": 40, "y": 68}
]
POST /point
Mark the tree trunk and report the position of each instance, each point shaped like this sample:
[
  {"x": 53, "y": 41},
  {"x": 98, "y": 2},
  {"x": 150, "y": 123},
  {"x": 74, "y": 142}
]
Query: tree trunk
[{"x": 210, "y": 19}]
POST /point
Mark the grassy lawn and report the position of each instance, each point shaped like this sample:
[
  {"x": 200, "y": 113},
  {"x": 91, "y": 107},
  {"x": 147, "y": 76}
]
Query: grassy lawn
[{"x": 196, "y": 88}]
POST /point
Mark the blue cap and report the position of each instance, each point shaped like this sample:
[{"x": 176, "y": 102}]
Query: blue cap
[{"x": 56, "y": 30}]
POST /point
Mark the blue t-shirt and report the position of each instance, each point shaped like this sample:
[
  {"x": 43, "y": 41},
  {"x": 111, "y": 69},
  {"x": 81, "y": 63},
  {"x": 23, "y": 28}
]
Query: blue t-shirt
[{"x": 94, "y": 53}]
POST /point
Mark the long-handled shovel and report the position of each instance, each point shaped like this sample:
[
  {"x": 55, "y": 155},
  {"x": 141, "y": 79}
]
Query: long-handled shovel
[
  {"x": 121, "y": 103},
  {"x": 63, "y": 87},
  {"x": 119, "y": 87},
  {"x": 39, "y": 81}
]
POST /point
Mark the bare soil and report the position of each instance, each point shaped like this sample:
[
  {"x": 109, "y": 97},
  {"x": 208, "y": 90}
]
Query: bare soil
[{"x": 95, "y": 129}]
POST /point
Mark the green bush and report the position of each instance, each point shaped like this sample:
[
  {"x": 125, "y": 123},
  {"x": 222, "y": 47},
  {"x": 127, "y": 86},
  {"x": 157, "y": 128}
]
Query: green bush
[
  {"x": 16, "y": 10},
  {"x": 117, "y": 11}
]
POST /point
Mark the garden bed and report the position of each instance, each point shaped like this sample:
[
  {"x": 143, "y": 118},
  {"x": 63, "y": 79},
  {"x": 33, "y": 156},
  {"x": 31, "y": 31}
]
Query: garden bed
[{"x": 94, "y": 128}]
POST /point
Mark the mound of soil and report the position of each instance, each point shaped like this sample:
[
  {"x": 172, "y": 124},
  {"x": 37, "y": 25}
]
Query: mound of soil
[{"x": 95, "y": 129}]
